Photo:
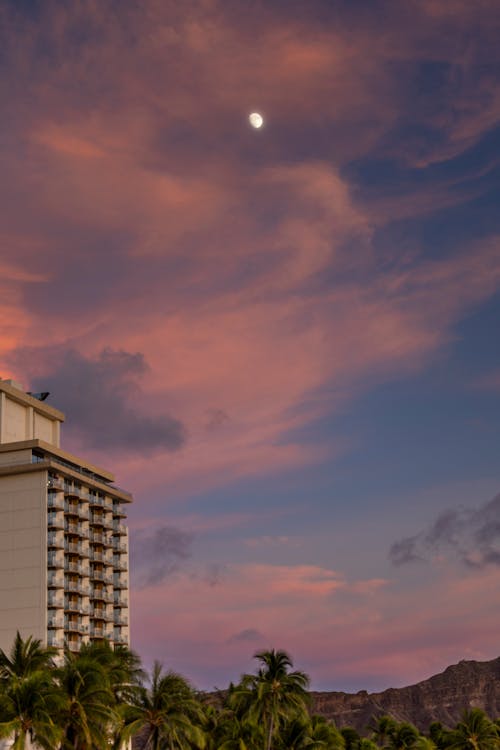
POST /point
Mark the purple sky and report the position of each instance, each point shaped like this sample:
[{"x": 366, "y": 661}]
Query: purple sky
[{"x": 283, "y": 341}]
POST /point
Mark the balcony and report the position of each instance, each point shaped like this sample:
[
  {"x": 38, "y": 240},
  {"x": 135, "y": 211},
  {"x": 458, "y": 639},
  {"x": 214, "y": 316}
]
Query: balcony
[
  {"x": 120, "y": 583},
  {"x": 122, "y": 639},
  {"x": 98, "y": 633},
  {"x": 118, "y": 511},
  {"x": 74, "y": 626},
  {"x": 73, "y": 644},
  {"x": 118, "y": 619},
  {"x": 119, "y": 564},
  {"x": 55, "y": 520},
  {"x": 55, "y": 641},
  {"x": 55, "y": 601},
  {"x": 73, "y": 567},
  {"x": 71, "y": 509},
  {"x": 99, "y": 613},
  {"x": 119, "y": 528},
  {"x": 120, "y": 599},
  {"x": 72, "y": 547},
  {"x": 72, "y": 528},
  {"x": 119, "y": 546},
  {"x": 55, "y": 502},
  {"x": 83, "y": 513},
  {"x": 74, "y": 491},
  {"x": 55, "y": 581},
  {"x": 55, "y": 539},
  {"x": 56, "y": 484},
  {"x": 55, "y": 622},
  {"x": 55, "y": 560}
]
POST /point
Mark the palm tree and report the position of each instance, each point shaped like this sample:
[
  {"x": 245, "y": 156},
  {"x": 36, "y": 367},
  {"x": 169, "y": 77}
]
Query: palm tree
[
  {"x": 403, "y": 736},
  {"x": 382, "y": 728},
  {"x": 122, "y": 666},
  {"x": 273, "y": 694},
  {"x": 28, "y": 695},
  {"x": 86, "y": 713},
  {"x": 25, "y": 658},
  {"x": 474, "y": 732},
  {"x": 167, "y": 714}
]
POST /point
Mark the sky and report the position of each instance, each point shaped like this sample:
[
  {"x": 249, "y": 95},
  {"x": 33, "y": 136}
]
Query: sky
[{"x": 284, "y": 342}]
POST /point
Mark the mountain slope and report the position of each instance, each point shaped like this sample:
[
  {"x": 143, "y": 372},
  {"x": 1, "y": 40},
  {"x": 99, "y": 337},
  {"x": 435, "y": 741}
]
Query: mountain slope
[{"x": 440, "y": 698}]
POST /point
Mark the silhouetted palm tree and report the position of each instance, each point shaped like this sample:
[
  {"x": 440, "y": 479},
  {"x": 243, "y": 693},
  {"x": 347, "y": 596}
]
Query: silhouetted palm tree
[
  {"x": 474, "y": 732},
  {"x": 28, "y": 695},
  {"x": 86, "y": 713},
  {"x": 273, "y": 694},
  {"x": 167, "y": 715}
]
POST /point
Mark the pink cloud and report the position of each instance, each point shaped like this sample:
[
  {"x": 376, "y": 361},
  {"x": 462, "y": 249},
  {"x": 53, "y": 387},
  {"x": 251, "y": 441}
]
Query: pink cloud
[{"x": 342, "y": 632}]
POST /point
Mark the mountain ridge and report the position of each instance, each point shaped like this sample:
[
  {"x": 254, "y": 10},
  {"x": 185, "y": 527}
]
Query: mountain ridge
[{"x": 442, "y": 697}]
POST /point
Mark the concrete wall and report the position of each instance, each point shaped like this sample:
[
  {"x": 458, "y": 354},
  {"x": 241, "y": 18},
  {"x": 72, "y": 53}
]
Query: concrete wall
[
  {"x": 23, "y": 421},
  {"x": 23, "y": 556}
]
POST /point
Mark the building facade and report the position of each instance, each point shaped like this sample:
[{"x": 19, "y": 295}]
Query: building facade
[{"x": 63, "y": 538}]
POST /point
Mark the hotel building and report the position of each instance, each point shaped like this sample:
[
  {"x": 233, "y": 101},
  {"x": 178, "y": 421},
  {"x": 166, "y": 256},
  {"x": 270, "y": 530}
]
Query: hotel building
[{"x": 63, "y": 541}]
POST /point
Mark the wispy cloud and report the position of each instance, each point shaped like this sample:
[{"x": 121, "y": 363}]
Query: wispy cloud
[
  {"x": 101, "y": 397},
  {"x": 471, "y": 535},
  {"x": 157, "y": 553}
]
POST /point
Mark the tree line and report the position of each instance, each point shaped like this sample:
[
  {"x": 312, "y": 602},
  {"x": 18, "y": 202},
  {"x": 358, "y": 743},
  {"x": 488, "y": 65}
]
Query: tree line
[{"x": 101, "y": 699}]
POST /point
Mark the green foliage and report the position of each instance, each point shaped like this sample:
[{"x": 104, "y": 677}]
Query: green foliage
[{"x": 99, "y": 699}]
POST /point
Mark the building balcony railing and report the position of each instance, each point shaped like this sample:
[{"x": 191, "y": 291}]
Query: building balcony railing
[
  {"x": 119, "y": 564},
  {"x": 119, "y": 528},
  {"x": 120, "y": 583},
  {"x": 83, "y": 513},
  {"x": 55, "y": 561},
  {"x": 120, "y": 599},
  {"x": 100, "y": 613},
  {"x": 99, "y": 633},
  {"x": 55, "y": 502},
  {"x": 55, "y": 581},
  {"x": 55, "y": 521},
  {"x": 75, "y": 627},
  {"x": 55, "y": 641},
  {"x": 77, "y": 492},
  {"x": 72, "y": 528},
  {"x": 72, "y": 547},
  {"x": 55, "y": 483},
  {"x": 55, "y": 622},
  {"x": 55, "y": 539},
  {"x": 119, "y": 619},
  {"x": 71, "y": 509},
  {"x": 122, "y": 639},
  {"x": 55, "y": 602},
  {"x": 119, "y": 546},
  {"x": 73, "y": 567},
  {"x": 98, "y": 556},
  {"x": 118, "y": 511}
]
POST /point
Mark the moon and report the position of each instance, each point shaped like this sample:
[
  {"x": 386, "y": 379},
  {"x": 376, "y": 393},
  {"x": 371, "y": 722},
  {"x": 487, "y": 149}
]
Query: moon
[{"x": 256, "y": 120}]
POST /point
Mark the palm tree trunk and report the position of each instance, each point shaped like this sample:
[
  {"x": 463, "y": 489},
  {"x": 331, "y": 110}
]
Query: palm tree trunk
[{"x": 270, "y": 732}]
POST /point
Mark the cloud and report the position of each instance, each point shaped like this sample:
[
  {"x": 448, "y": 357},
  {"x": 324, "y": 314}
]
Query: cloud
[
  {"x": 470, "y": 535},
  {"x": 247, "y": 635},
  {"x": 101, "y": 398},
  {"x": 158, "y": 553}
]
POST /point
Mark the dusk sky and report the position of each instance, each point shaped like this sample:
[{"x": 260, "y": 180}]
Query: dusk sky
[{"x": 284, "y": 342}]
